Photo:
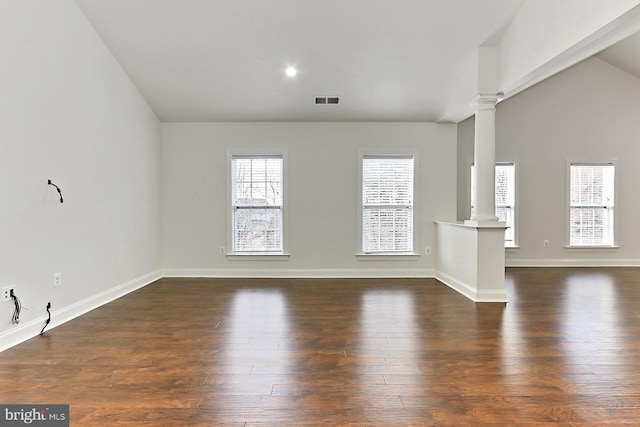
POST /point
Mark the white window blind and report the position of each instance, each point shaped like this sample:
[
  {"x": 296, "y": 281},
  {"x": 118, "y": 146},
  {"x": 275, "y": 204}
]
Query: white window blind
[
  {"x": 591, "y": 217},
  {"x": 387, "y": 204},
  {"x": 257, "y": 203},
  {"x": 505, "y": 198}
]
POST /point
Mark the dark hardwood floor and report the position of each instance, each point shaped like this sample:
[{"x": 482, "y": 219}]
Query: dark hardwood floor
[{"x": 186, "y": 352}]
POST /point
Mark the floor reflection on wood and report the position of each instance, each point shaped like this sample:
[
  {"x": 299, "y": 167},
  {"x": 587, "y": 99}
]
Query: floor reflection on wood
[{"x": 243, "y": 352}]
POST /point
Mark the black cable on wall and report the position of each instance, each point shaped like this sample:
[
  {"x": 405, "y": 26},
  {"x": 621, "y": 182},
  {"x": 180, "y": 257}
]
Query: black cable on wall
[{"x": 57, "y": 188}]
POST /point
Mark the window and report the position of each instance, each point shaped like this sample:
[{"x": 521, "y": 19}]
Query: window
[
  {"x": 257, "y": 203},
  {"x": 387, "y": 204},
  {"x": 505, "y": 198},
  {"x": 591, "y": 211}
]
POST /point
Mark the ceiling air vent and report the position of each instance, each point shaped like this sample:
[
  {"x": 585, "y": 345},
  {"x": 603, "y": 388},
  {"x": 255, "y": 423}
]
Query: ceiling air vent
[{"x": 324, "y": 100}]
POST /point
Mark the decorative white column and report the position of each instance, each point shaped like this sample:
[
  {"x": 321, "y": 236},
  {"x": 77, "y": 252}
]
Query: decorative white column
[
  {"x": 470, "y": 257},
  {"x": 485, "y": 160}
]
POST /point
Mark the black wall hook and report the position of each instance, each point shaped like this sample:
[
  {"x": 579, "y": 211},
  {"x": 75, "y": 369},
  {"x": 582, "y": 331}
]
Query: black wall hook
[{"x": 57, "y": 188}]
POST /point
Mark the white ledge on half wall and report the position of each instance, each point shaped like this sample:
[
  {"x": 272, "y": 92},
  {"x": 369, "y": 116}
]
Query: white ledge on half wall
[
  {"x": 468, "y": 223},
  {"x": 485, "y": 224}
]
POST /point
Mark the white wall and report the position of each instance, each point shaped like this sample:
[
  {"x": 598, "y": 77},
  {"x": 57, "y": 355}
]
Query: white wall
[
  {"x": 322, "y": 194},
  {"x": 588, "y": 112},
  {"x": 466, "y": 135},
  {"x": 70, "y": 114}
]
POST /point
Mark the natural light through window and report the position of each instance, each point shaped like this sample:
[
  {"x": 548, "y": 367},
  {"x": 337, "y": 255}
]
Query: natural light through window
[
  {"x": 591, "y": 216},
  {"x": 387, "y": 204},
  {"x": 257, "y": 203}
]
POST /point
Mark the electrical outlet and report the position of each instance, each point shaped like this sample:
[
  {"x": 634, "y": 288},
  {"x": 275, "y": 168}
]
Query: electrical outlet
[
  {"x": 427, "y": 250},
  {"x": 546, "y": 243},
  {"x": 6, "y": 292},
  {"x": 57, "y": 279}
]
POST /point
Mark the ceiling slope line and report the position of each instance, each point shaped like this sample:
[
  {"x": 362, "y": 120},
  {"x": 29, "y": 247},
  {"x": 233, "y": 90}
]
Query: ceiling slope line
[{"x": 610, "y": 34}]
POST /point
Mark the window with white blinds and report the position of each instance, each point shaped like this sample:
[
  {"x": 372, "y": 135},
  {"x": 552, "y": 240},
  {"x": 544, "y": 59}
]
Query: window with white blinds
[
  {"x": 257, "y": 203},
  {"x": 591, "y": 216},
  {"x": 387, "y": 204},
  {"x": 505, "y": 198}
]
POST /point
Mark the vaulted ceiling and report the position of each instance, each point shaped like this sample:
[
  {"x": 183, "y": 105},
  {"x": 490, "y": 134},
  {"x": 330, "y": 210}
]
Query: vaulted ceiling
[
  {"x": 624, "y": 55},
  {"x": 225, "y": 60}
]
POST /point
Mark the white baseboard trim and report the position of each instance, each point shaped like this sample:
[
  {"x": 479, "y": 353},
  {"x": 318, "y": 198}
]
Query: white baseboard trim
[
  {"x": 457, "y": 285},
  {"x": 572, "y": 262},
  {"x": 469, "y": 291},
  {"x": 492, "y": 296},
  {"x": 298, "y": 273},
  {"x": 32, "y": 328}
]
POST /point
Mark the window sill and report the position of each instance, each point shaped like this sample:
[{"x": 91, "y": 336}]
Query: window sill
[
  {"x": 513, "y": 248},
  {"x": 591, "y": 248},
  {"x": 257, "y": 256},
  {"x": 387, "y": 256}
]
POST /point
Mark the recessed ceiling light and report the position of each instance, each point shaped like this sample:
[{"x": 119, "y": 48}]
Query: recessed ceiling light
[{"x": 291, "y": 71}]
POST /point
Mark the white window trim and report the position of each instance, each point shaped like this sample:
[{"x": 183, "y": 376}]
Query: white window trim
[
  {"x": 516, "y": 217},
  {"x": 391, "y": 256},
  {"x": 262, "y": 256},
  {"x": 267, "y": 256},
  {"x": 567, "y": 221},
  {"x": 387, "y": 256}
]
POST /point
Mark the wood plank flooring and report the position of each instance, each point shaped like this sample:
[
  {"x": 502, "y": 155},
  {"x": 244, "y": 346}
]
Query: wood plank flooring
[{"x": 564, "y": 351}]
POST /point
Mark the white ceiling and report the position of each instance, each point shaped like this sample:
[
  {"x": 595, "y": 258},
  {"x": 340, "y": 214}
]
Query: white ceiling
[{"x": 224, "y": 60}]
